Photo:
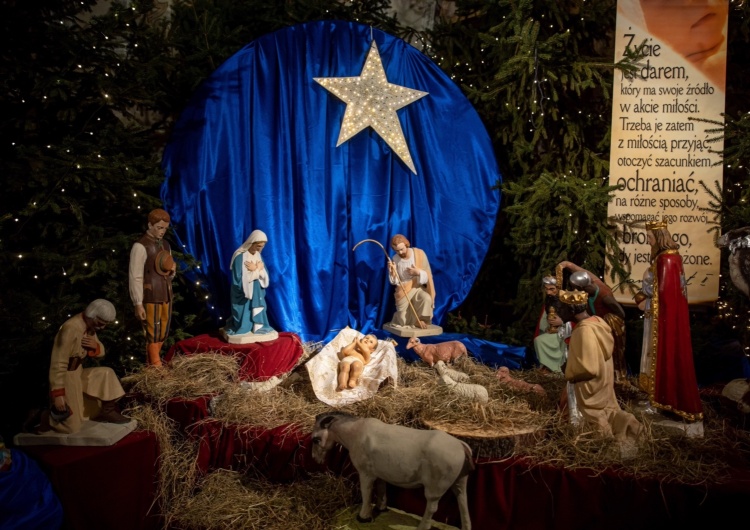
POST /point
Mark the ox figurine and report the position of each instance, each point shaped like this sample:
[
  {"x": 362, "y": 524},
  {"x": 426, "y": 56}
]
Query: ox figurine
[
  {"x": 431, "y": 353},
  {"x": 404, "y": 457},
  {"x": 738, "y": 243}
]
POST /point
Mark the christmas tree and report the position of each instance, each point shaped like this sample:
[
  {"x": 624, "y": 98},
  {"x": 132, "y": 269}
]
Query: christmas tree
[{"x": 90, "y": 91}]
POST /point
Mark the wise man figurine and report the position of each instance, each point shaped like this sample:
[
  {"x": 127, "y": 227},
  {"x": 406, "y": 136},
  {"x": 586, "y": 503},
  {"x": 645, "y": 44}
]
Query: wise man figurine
[
  {"x": 590, "y": 368},
  {"x": 667, "y": 369},
  {"x": 548, "y": 344}
]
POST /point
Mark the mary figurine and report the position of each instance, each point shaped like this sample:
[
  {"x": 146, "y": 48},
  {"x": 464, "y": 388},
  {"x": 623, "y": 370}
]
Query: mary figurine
[{"x": 249, "y": 320}]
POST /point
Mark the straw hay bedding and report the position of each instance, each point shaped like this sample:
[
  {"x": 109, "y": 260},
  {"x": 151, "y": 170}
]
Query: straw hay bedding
[{"x": 227, "y": 500}]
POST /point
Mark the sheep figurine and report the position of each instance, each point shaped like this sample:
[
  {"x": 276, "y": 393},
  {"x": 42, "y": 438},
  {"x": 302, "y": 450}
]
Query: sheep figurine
[
  {"x": 460, "y": 384},
  {"x": 457, "y": 376},
  {"x": 468, "y": 391},
  {"x": 431, "y": 353},
  {"x": 503, "y": 375}
]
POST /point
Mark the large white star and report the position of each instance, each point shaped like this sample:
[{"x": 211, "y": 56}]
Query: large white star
[{"x": 371, "y": 101}]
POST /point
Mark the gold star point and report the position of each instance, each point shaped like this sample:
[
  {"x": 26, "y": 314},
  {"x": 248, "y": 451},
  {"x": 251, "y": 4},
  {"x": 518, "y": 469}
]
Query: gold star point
[{"x": 371, "y": 101}]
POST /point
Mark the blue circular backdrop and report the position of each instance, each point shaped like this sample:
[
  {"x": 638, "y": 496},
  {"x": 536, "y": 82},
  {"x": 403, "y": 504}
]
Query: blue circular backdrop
[{"x": 256, "y": 149}]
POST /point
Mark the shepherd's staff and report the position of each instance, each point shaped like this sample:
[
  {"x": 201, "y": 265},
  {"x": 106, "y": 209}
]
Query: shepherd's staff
[{"x": 391, "y": 264}]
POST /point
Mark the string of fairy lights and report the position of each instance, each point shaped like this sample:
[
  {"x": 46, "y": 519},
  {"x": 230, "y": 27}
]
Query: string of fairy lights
[
  {"x": 369, "y": 111},
  {"x": 739, "y": 320},
  {"x": 78, "y": 163}
]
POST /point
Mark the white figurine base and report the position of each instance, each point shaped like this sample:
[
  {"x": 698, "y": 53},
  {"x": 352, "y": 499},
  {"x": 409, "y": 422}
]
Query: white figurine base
[
  {"x": 691, "y": 430},
  {"x": 410, "y": 331},
  {"x": 92, "y": 433},
  {"x": 346, "y": 519},
  {"x": 248, "y": 338}
]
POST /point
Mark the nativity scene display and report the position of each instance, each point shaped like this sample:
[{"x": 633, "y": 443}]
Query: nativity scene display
[{"x": 336, "y": 236}]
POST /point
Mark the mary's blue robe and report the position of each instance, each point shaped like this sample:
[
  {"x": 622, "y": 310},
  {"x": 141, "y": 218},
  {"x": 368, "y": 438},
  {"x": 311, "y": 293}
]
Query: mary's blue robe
[{"x": 249, "y": 314}]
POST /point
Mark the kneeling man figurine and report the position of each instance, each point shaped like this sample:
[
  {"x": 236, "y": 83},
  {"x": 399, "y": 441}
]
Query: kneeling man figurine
[
  {"x": 74, "y": 389},
  {"x": 590, "y": 367},
  {"x": 410, "y": 272}
]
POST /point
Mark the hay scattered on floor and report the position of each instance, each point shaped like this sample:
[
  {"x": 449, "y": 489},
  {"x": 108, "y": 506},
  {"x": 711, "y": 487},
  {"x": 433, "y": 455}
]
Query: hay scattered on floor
[
  {"x": 228, "y": 500},
  {"x": 661, "y": 455}
]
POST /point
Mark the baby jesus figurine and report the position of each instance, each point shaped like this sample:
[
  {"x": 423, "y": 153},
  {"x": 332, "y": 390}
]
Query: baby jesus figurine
[{"x": 352, "y": 360}]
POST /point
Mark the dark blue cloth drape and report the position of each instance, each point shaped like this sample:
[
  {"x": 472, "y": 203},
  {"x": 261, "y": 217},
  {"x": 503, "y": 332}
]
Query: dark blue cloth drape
[
  {"x": 256, "y": 149},
  {"x": 27, "y": 501},
  {"x": 489, "y": 353}
]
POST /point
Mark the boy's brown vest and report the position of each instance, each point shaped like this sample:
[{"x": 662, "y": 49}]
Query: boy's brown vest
[{"x": 157, "y": 289}]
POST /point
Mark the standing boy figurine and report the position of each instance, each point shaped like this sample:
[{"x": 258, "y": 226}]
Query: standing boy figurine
[{"x": 150, "y": 277}]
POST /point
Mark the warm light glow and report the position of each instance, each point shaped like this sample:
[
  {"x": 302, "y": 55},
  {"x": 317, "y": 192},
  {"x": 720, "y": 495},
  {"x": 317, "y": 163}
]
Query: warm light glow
[{"x": 371, "y": 101}]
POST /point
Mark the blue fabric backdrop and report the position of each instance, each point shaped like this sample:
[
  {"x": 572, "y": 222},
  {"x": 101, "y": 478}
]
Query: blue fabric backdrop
[{"x": 256, "y": 148}]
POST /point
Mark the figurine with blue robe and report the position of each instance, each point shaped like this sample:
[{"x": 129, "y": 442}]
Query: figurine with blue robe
[{"x": 249, "y": 319}]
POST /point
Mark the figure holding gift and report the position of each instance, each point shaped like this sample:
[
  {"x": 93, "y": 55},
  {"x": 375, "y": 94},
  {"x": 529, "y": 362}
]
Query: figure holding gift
[
  {"x": 548, "y": 345},
  {"x": 590, "y": 369},
  {"x": 602, "y": 303}
]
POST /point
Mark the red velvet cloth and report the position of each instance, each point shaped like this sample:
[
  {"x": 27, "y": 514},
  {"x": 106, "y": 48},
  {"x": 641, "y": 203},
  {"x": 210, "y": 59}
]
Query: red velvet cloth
[
  {"x": 281, "y": 454},
  {"x": 184, "y": 412},
  {"x": 258, "y": 361},
  {"x": 675, "y": 384},
  {"x": 514, "y": 495},
  {"x": 110, "y": 488}
]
